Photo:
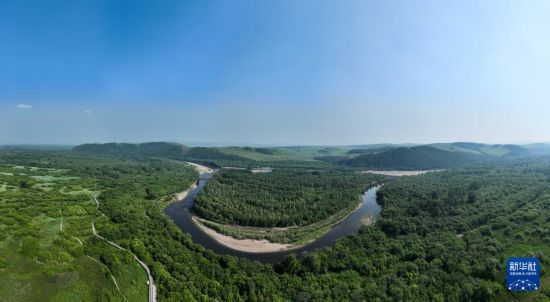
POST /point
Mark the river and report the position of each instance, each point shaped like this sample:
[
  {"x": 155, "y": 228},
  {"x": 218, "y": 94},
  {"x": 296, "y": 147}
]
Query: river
[{"x": 180, "y": 214}]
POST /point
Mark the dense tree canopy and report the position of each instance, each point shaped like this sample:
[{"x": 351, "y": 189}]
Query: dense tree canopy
[
  {"x": 441, "y": 237},
  {"x": 413, "y": 158},
  {"x": 280, "y": 198}
]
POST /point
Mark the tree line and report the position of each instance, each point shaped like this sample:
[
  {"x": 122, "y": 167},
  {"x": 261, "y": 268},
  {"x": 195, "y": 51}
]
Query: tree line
[
  {"x": 441, "y": 237},
  {"x": 284, "y": 197}
]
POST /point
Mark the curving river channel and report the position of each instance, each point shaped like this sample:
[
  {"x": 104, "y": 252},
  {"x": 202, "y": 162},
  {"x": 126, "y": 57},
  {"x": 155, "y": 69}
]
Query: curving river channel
[{"x": 180, "y": 213}]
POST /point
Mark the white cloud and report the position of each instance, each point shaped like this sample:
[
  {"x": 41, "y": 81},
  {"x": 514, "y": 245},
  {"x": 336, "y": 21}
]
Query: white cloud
[
  {"x": 23, "y": 106},
  {"x": 88, "y": 111}
]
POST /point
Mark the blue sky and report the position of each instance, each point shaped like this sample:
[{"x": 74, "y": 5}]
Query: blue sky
[{"x": 274, "y": 72}]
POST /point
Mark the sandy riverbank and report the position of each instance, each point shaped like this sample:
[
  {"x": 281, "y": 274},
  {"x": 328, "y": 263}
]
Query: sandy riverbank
[
  {"x": 401, "y": 173},
  {"x": 200, "y": 168},
  {"x": 263, "y": 246},
  {"x": 244, "y": 245},
  {"x": 259, "y": 246},
  {"x": 368, "y": 220},
  {"x": 183, "y": 194}
]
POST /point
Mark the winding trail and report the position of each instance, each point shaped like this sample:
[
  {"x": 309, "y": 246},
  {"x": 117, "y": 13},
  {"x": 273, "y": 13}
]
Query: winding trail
[
  {"x": 81, "y": 244},
  {"x": 77, "y": 239},
  {"x": 151, "y": 284},
  {"x": 61, "y": 229},
  {"x": 112, "y": 276},
  {"x": 61, "y": 223}
]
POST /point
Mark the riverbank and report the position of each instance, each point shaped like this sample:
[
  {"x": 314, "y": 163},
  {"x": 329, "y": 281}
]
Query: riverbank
[
  {"x": 200, "y": 168},
  {"x": 401, "y": 173},
  {"x": 263, "y": 240},
  {"x": 165, "y": 201},
  {"x": 262, "y": 249},
  {"x": 295, "y": 236},
  {"x": 267, "y": 244},
  {"x": 243, "y": 245},
  {"x": 183, "y": 194}
]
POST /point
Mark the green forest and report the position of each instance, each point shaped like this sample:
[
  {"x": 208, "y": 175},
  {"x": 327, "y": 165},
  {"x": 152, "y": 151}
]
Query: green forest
[
  {"x": 377, "y": 157},
  {"x": 281, "y": 198},
  {"x": 47, "y": 251},
  {"x": 440, "y": 237},
  {"x": 413, "y": 158}
]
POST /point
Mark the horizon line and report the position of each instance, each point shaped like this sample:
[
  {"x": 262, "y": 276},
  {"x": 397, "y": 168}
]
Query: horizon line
[{"x": 258, "y": 145}]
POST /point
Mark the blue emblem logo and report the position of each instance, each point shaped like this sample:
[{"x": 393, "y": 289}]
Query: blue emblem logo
[{"x": 522, "y": 274}]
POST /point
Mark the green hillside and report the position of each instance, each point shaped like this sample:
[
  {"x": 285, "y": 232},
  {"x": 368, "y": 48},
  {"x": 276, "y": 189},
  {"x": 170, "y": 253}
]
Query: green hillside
[
  {"x": 161, "y": 150},
  {"x": 285, "y": 153},
  {"x": 413, "y": 158},
  {"x": 379, "y": 156},
  {"x": 538, "y": 148},
  {"x": 219, "y": 155},
  {"x": 440, "y": 236},
  {"x": 156, "y": 149},
  {"x": 483, "y": 149},
  {"x": 370, "y": 150}
]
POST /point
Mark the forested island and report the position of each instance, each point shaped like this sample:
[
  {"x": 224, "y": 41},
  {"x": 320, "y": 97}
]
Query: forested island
[
  {"x": 289, "y": 206},
  {"x": 441, "y": 236}
]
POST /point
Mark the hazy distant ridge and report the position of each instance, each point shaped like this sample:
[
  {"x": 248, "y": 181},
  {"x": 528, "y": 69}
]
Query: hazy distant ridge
[
  {"x": 154, "y": 149},
  {"x": 413, "y": 158},
  {"x": 381, "y": 156},
  {"x": 434, "y": 156}
]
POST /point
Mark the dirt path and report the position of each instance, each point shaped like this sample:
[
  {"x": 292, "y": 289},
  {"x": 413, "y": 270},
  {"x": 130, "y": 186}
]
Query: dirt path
[
  {"x": 77, "y": 239},
  {"x": 112, "y": 276},
  {"x": 61, "y": 223},
  {"x": 61, "y": 229},
  {"x": 151, "y": 284},
  {"x": 95, "y": 233}
]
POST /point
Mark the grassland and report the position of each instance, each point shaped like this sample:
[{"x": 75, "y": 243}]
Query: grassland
[
  {"x": 46, "y": 243},
  {"x": 285, "y": 153}
]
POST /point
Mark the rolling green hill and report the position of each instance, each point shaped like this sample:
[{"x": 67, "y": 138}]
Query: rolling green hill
[
  {"x": 370, "y": 150},
  {"x": 285, "y": 153},
  {"x": 440, "y": 236},
  {"x": 220, "y": 155},
  {"x": 483, "y": 149},
  {"x": 213, "y": 154},
  {"x": 538, "y": 148},
  {"x": 433, "y": 156},
  {"x": 156, "y": 149},
  {"x": 379, "y": 156},
  {"x": 413, "y": 158}
]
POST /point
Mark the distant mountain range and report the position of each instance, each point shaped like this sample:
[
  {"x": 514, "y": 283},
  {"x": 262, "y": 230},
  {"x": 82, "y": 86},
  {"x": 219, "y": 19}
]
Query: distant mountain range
[
  {"x": 380, "y": 156},
  {"x": 159, "y": 150},
  {"x": 409, "y": 158},
  {"x": 436, "y": 156},
  {"x": 155, "y": 149},
  {"x": 483, "y": 149}
]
